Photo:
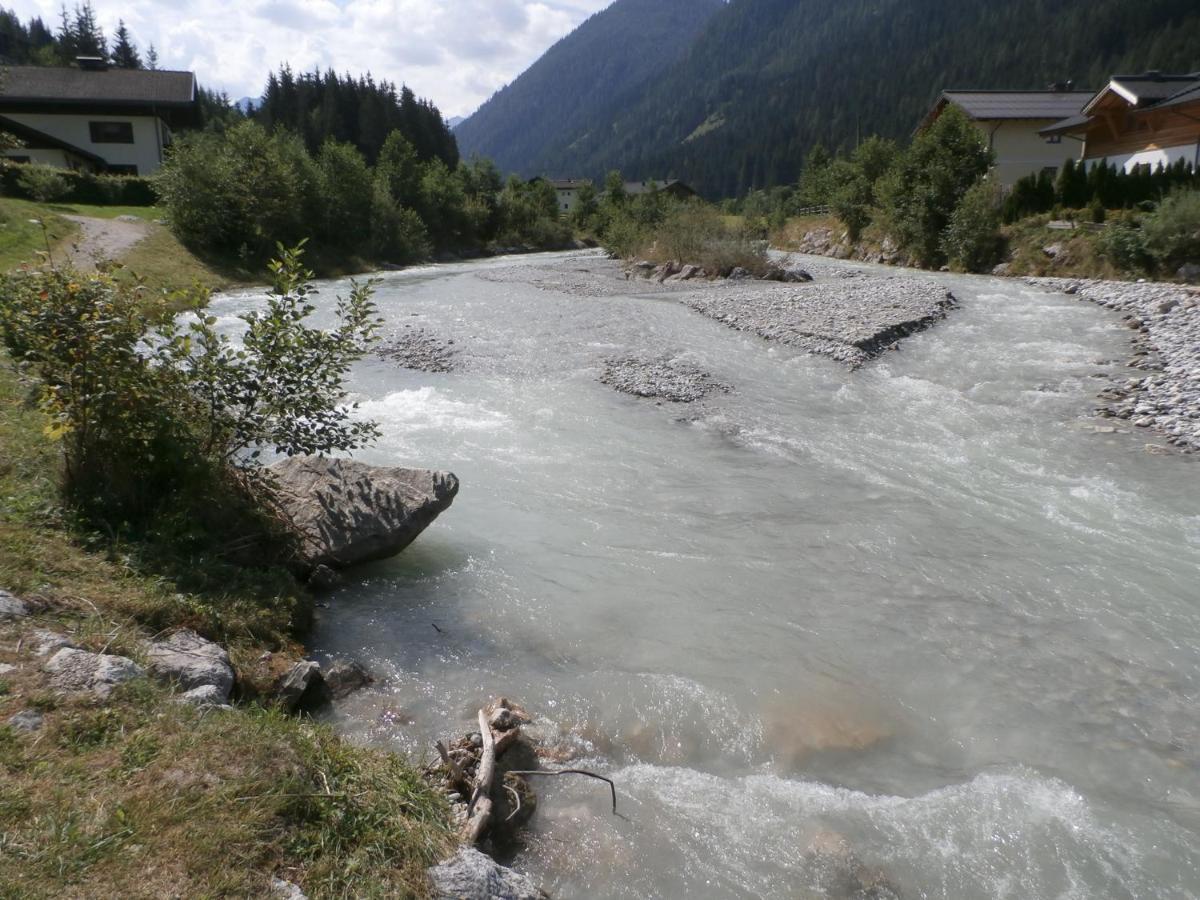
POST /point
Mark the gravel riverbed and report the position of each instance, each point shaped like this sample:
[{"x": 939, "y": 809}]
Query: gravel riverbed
[
  {"x": 851, "y": 320},
  {"x": 1166, "y": 319}
]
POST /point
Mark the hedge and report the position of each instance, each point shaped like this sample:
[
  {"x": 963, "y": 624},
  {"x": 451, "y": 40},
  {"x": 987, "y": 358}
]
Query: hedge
[{"x": 86, "y": 187}]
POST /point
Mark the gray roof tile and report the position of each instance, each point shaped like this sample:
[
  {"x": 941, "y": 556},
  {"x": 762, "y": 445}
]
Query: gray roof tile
[{"x": 125, "y": 86}]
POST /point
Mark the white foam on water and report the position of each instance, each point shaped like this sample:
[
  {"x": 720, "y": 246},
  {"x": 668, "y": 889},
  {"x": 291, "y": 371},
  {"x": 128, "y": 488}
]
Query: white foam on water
[
  {"x": 1012, "y": 834},
  {"x": 429, "y": 408}
]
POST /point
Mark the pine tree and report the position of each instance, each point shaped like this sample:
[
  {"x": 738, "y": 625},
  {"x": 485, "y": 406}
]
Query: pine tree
[
  {"x": 124, "y": 53},
  {"x": 151, "y": 58},
  {"x": 89, "y": 36}
]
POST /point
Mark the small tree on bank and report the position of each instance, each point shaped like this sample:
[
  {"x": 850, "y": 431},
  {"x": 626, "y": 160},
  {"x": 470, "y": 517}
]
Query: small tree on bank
[{"x": 928, "y": 182}]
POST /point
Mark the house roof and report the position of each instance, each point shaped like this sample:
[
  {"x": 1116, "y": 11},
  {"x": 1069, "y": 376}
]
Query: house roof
[
  {"x": 1018, "y": 104},
  {"x": 39, "y": 140},
  {"x": 1189, "y": 94},
  {"x": 1151, "y": 87},
  {"x": 1069, "y": 125},
  {"x": 128, "y": 87}
]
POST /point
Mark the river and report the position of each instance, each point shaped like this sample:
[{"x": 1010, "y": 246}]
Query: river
[{"x": 920, "y": 621}]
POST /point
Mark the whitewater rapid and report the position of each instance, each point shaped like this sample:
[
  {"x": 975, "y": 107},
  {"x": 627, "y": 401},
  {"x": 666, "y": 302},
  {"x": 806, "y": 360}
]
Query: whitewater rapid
[{"x": 929, "y": 623}]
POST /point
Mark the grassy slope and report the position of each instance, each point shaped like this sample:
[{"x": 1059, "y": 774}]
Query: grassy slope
[{"x": 146, "y": 798}]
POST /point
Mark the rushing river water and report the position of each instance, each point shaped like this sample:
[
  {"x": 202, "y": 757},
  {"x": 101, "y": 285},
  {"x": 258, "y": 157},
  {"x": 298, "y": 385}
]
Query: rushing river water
[{"x": 918, "y": 616}]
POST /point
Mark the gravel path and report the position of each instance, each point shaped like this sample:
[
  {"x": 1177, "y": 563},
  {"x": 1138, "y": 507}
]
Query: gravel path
[
  {"x": 851, "y": 320},
  {"x": 1166, "y": 318},
  {"x": 104, "y": 239}
]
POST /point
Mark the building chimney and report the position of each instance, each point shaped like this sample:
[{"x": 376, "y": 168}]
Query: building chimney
[{"x": 91, "y": 63}]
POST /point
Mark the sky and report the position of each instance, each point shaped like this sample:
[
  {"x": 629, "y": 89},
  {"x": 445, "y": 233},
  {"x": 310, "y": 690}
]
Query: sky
[{"x": 455, "y": 53}]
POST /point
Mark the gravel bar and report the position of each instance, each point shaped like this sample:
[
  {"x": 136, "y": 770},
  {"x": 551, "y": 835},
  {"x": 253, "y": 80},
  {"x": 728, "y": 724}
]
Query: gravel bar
[
  {"x": 852, "y": 321},
  {"x": 417, "y": 349},
  {"x": 1166, "y": 319},
  {"x": 660, "y": 379}
]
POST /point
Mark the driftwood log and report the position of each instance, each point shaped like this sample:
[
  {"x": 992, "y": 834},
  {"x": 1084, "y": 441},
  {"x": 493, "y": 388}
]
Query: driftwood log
[
  {"x": 470, "y": 770},
  {"x": 479, "y": 811}
]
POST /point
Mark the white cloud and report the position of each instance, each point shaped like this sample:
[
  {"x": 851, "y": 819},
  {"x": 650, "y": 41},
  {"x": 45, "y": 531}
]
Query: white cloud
[{"x": 455, "y": 53}]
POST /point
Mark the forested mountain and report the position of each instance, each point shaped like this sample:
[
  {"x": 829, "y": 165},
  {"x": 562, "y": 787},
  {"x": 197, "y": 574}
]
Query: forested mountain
[
  {"x": 766, "y": 80},
  {"x": 583, "y": 81}
]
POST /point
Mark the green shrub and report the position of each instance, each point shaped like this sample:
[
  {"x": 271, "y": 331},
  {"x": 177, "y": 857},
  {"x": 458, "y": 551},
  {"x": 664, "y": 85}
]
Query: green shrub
[
  {"x": 1123, "y": 244},
  {"x": 924, "y": 188},
  {"x": 82, "y": 187},
  {"x": 397, "y": 234},
  {"x": 243, "y": 189},
  {"x": 1097, "y": 212},
  {"x": 43, "y": 184},
  {"x": 143, "y": 405},
  {"x": 972, "y": 239},
  {"x": 1172, "y": 232}
]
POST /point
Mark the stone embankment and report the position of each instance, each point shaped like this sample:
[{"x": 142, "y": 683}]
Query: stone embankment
[
  {"x": 852, "y": 321},
  {"x": 1166, "y": 319}
]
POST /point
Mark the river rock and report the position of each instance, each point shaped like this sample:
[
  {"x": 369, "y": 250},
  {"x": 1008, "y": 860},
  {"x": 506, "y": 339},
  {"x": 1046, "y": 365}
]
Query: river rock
[
  {"x": 205, "y": 697},
  {"x": 192, "y": 662},
  {"x": 12, "y": 607},
  {"x": 344, "y": 677},
  {"x": 303, "y": 687},
  {"x": 78, "y": 670},
  {"x": 46, "y": 642},
  {"x": 27, "y": 720},
  {"x": 7, "y": 668},
  {"x": 469, "y": 875},
  {"x": 285, "y": 890},
  {"x": 346, "y": 512},
  {"x": 1189, "y": 272}
]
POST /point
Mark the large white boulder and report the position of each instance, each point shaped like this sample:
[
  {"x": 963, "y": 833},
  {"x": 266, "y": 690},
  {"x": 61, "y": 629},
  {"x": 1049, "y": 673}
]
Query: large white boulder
[{"x": 347, "y": 512}]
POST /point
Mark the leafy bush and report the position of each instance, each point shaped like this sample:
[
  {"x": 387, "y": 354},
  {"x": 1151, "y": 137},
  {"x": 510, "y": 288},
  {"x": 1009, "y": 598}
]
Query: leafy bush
[
  {"x": 142, "y": 404},
  {"x": 922, "y": 191},
  {"x": 43, "y": 184},
  {"x": 694, "y": 233},
  {"x": 1124, "y": 245},
  {"x": 243, "y": 189},
  {"x": 972, "y": 240},
  {"x": 82, "y": 187},
  {"x": 1172, "y": 232},
  {"x": 81, "y": 336}
]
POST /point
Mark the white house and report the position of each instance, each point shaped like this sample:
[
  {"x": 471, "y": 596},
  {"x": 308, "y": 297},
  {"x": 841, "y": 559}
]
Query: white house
[
  {"x": 1011, "y": 123},
  {"x": 92, "y": 117}
]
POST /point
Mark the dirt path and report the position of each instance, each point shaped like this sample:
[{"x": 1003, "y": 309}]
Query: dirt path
[{"x": 103, "y": 239}]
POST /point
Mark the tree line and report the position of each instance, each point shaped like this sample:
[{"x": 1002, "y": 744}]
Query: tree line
[
  {"x": 238, "y": 192},
  {"x": 34, "y": 43}
]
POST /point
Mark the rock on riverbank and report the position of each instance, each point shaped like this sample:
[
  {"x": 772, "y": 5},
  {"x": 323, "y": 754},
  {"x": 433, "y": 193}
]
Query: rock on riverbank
[
  {"x": 1166, "y": 319},
  {"x": 852, "y": 321},
  {"x": 347, "y": 512}
]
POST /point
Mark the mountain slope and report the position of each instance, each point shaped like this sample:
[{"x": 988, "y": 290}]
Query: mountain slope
[
  {"x": 767, "y": 79},
  {"x": 582, "y": 80}
]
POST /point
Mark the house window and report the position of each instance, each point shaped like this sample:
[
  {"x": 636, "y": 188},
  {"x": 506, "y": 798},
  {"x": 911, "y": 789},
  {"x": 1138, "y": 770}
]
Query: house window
[
  {"x": 1054, "y": 139},
  {"x": 111, "y": 132},
  {"x": 121, "y": 169}
]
